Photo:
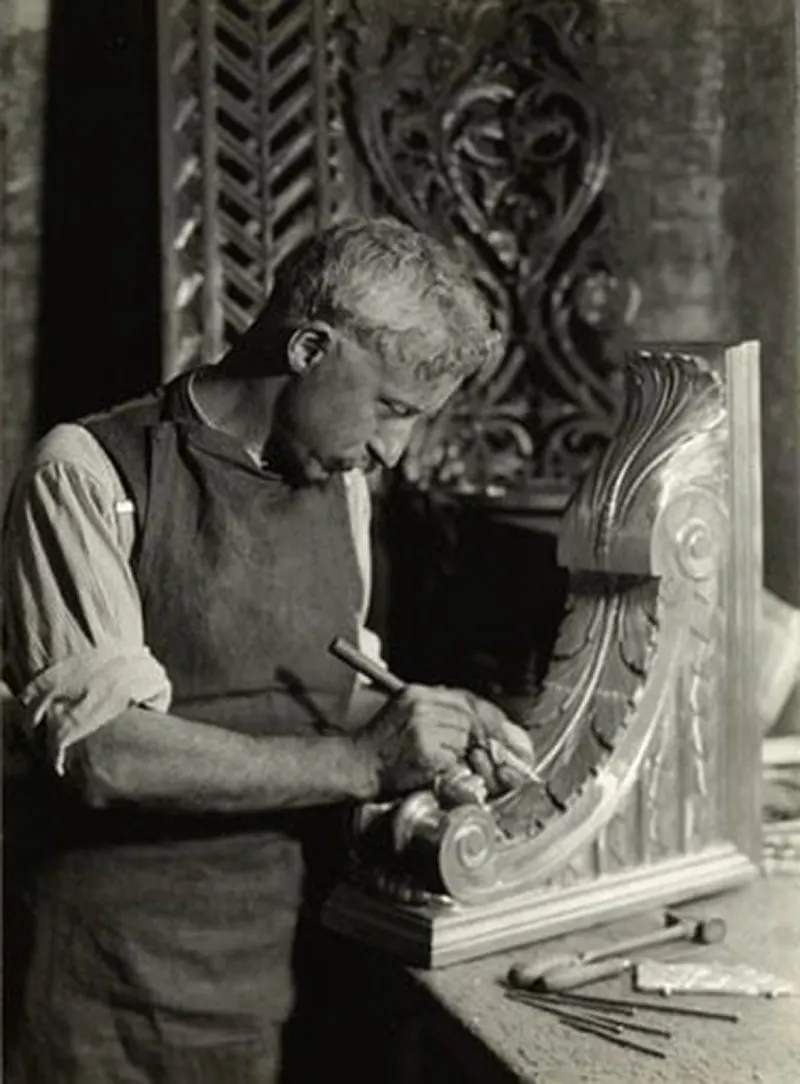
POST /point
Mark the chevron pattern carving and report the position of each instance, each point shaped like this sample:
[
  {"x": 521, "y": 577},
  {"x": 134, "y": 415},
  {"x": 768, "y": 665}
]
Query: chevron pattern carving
[{"x": 248, "y": 161}]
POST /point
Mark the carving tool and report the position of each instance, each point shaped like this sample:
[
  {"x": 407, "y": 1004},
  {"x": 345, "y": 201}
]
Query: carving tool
[
  {"x": 603, "y": 1027},
  {"x": 455, "y": 787},
  {"x": 621, "y": 1004},
  {"x": 550, "y": 1004},
  {"x": 606, "y": 1022},
  {"x": 591, "y": 1029},
  {"x": 380, "y": 677},
  {"x": 581, "y": 999},
  {"x": 388, "y": 683},
  {"x": 581, "y": 974},
  {"x": 563, "y": 971}
]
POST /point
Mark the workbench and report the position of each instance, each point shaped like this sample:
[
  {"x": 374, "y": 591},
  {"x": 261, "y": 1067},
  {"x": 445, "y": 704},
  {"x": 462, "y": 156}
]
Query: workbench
[{"x": 454, "y": 1024}]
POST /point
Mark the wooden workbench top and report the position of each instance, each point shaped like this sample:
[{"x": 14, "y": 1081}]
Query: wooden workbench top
[{"x": 496, "y": 1041}]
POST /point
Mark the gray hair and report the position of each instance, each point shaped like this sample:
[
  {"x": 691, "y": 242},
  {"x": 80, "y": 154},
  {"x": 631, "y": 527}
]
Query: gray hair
[{"x": 343, "y": 274}]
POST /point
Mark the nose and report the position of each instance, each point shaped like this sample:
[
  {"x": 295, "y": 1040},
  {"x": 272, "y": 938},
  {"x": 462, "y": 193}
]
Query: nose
[{"x": 391, "y": 440}]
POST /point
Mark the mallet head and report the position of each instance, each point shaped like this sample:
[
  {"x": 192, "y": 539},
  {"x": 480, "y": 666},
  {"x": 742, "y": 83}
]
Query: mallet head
[{"x": 704, "y": 931}]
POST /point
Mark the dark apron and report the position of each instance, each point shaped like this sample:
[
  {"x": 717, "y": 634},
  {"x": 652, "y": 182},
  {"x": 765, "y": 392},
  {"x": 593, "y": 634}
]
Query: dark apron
[{"x": 163, "y": 946}]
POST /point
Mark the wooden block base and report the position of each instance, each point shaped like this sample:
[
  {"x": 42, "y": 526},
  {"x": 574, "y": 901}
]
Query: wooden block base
[{"x": 435, "y": 936}]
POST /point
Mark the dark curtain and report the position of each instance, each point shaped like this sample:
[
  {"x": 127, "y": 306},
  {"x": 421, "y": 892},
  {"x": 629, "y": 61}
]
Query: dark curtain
[{"x": 99, "y": 320}]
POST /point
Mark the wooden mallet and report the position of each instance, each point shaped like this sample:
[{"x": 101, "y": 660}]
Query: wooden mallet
[{"x": 565, "y": 971}]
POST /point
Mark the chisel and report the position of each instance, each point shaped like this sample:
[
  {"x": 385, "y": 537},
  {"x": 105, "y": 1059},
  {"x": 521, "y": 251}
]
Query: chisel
[{"x": 388, "y": 683}]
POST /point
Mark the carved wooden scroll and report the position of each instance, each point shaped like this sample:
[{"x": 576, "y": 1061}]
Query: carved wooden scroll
[{"x": 645, "y": 729}]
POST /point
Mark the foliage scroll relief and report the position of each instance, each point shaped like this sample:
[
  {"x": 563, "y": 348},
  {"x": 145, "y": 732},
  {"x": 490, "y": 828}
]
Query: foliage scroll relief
[{"x": 476, "y": 122}]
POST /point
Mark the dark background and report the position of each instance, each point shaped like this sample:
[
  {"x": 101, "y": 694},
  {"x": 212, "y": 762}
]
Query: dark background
[{"x": 100, "y": 290}]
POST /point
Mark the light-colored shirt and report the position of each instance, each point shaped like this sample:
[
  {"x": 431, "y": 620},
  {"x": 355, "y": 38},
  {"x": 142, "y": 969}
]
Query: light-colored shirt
[{"x": 75, "y": 648}]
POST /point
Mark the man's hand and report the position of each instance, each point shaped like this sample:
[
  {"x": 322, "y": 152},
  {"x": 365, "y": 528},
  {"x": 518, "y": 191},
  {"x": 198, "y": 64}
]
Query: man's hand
[
  {"x": 419, "y": 734},
  {"x": 491, "y": 727},
  {"x": 426, "y": 731}
]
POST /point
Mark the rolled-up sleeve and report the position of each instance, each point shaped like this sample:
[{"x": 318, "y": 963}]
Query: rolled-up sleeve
[{"x": 75, "y": 654}]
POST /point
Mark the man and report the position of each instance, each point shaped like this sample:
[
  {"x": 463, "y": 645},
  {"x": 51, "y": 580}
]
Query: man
[{"x": 174, "y": 571}]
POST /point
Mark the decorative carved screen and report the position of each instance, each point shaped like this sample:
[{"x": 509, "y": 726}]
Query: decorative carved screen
[
  {"x": 474, "y": 121},
  {"x": 248, "y": 168}
]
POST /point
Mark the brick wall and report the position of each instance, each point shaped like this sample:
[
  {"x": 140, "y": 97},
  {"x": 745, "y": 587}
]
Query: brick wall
[
  {"x": 701, "y": 96},
  {"x": 79, "y": 304},
  {"x": 23, "y": 41}
]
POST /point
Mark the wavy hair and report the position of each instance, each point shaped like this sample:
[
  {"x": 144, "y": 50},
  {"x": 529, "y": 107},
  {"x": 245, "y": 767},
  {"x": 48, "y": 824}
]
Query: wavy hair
[{"x": 388, "y": 285}]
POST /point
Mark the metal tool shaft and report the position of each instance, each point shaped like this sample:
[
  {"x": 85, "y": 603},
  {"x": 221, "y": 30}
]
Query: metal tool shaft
[
  {"x": 388, "y": 683},
  {"x": 646, "y": 1006},
  {"x": 380, "y": 677},
  {"x": 567, "y": 1014},
  {"x": 617, "y": 1039},
  {"x": 621, "y": 1018},
  {"x": 539, "y": 972},
  {"x": 581, "y": 974}
]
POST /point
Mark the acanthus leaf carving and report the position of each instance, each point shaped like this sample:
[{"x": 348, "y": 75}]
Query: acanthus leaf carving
[{"x": 603, "y": 719}]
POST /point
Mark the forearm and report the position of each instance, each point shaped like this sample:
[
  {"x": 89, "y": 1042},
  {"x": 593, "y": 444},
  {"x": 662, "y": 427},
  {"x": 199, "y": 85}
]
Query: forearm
[
  {"x": 365, "y": 704},
  {"x": 167, "y": 762}
]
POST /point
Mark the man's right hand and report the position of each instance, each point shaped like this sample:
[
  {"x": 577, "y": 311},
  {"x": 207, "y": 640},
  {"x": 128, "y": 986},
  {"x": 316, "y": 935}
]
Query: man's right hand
[{"x": 416, "y": 736}]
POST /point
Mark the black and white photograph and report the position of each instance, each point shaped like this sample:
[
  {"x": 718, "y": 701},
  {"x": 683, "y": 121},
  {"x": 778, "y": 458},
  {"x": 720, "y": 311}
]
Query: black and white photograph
[{"x": 400, "y": 553}]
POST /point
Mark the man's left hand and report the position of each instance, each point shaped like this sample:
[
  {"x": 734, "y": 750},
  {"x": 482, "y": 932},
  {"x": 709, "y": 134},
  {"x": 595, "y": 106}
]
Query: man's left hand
[{"x": 489, "y": 726}]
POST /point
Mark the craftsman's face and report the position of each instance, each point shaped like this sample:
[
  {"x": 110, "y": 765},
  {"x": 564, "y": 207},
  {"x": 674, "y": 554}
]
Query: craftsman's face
[{"x": 347, "y": 409}]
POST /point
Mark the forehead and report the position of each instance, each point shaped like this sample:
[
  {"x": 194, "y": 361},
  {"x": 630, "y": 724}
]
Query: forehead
[
  {"x": 400, "y": 383},
  {"x": 397, "y": 365},
  {"x": 389, "y": 302}
]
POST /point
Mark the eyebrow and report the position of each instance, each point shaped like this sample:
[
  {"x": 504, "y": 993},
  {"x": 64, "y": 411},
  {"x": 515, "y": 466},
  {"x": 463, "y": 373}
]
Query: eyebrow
[{"x": 401, "y": 407}]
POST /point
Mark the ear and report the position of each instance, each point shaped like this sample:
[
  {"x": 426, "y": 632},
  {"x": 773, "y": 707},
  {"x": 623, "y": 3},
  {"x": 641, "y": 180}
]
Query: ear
[{"x": 308, "y": 346}]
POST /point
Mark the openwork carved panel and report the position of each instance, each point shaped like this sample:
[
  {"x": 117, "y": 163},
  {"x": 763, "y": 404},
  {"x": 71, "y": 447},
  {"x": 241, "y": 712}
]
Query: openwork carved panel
[
  {"x": 248, "y": 156},
  {"x": 476, "y": 122}
]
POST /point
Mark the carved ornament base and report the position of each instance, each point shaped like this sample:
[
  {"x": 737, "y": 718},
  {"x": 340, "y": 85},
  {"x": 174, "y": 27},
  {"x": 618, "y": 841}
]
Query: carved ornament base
[{"x": 435, "y": 936}]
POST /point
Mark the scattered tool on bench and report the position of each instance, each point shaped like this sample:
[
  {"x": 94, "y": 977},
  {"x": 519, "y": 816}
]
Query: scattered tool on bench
[
  {"x": 610, "y": 1018},
  {"x": 594, "y": 1023},
  {"x": 618, "y": 1040},
  {"x": 565, "y": 971},
  {"x": 629, "y": 1006},
  {"x": 552, "y": 1004}
]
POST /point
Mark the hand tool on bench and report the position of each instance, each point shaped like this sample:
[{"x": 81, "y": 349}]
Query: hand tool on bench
[
  {"x": 618, "y": 1040},
  {"x": 604, "y": 1027},
  {"x": 564, "y": 971},
  {"x": 606, "y": 1016},
  {"x": 388, "y": 683},
  {"x": 633, "y": 1005}
]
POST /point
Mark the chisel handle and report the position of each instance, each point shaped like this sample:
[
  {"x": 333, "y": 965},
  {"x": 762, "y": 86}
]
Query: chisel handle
[
  {"x": 380, "y": 677},
  {"x": 567, "y": 978},
  {"x": 528, "y": 976}
]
